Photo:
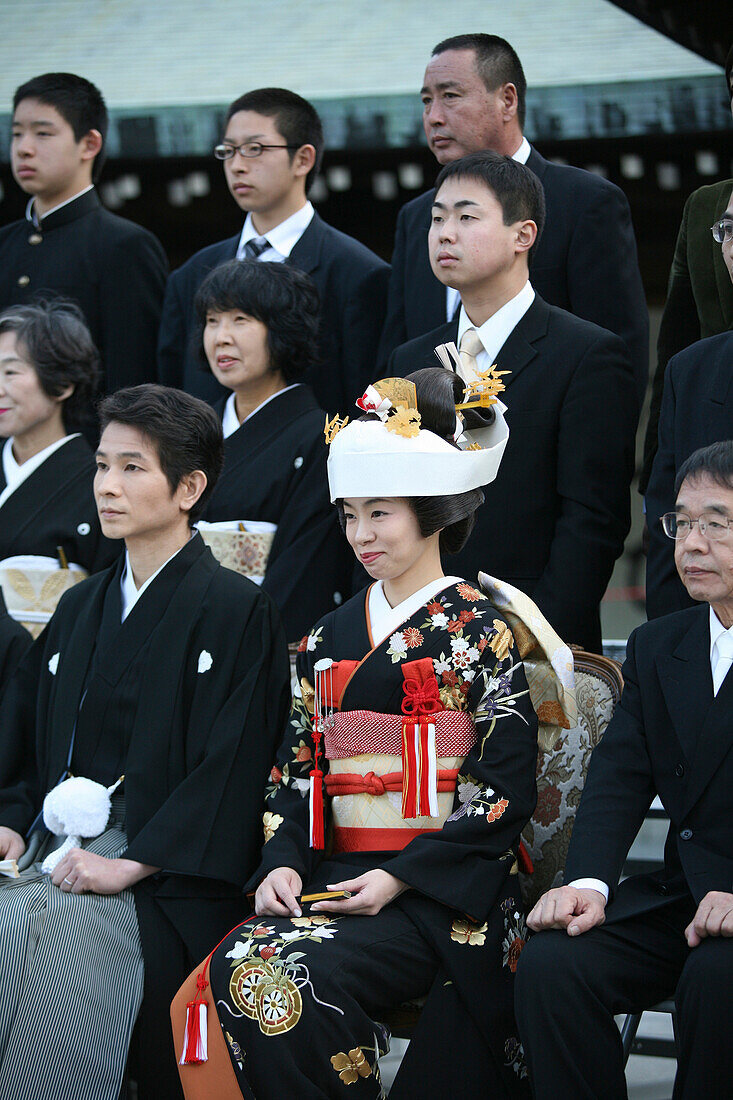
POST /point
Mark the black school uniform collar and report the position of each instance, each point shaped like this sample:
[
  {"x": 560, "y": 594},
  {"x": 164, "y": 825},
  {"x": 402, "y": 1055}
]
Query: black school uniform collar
[{"x": 76, "y": 208}]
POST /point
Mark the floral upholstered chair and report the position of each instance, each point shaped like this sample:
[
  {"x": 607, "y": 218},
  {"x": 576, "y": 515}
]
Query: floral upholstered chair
[{"x": 561, "y": 772}]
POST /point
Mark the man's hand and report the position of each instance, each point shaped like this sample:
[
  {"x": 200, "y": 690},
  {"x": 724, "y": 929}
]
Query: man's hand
[
  {"x": 714, "y": 917},
  {"x": 81, "y": 872},
  {"x": 369, "y": 894},
  {"x": 277, "y": 894},
  {"x": 12, "y": 844},
  {"x": 568, "y": 907}
]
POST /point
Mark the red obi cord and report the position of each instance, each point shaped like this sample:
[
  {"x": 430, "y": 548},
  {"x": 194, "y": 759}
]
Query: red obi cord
[
  {"x": 375, "y": 785},
  {"x": 419, "y": 755}
]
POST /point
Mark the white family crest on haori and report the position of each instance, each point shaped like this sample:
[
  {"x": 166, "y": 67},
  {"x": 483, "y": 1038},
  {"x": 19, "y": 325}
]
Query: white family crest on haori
[
  {"x": 205, "y": 661},
  {"x": 53, "y": 664},
  {"x": 78, "y": 809}
]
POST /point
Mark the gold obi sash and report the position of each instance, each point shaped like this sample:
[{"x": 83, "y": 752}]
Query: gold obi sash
[
  {"x": 33, "y": 585},
  {"x": 366, "y": 777},
  {"x": 241, "y": 545}
]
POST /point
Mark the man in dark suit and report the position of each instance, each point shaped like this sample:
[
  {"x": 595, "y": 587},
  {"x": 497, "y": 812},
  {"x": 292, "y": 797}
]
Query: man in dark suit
[
  {"x": 272, "y": 149},
  {"x": 474, "y": 99},
  {"x": 612, "y": 948},
  {"x": 699, "y": 296},
  {"x": 68, "y": 244},
  {"x": 555, "y": 520}
]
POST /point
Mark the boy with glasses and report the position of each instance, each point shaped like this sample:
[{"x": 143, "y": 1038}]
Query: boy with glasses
[
  {"x": 271, "y": 152},
  {"x": 697, "y": 409}
]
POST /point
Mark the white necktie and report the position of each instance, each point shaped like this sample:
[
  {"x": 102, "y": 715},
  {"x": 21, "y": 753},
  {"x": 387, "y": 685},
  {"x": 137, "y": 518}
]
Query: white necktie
[
  {"x": 724, "y": 647},
  {"x": 470, "y": 348}
]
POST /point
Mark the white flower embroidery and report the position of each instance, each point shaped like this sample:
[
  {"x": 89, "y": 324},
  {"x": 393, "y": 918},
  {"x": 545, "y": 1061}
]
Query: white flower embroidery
[
  {"x": 398, "y": 643},
  {"x": 53, "y": 664},
  {"x": 302, "y": 785},
  {"x": 458, "y": 643},
  {"x": 439, "y": 620},
  {"x": 441, "y": 666},
  {"x": 239, "y": 951},
  {"x": 468, "y": 674},
  {"x": 313, "y": 640},
  {"x": 205, "y": 661}
]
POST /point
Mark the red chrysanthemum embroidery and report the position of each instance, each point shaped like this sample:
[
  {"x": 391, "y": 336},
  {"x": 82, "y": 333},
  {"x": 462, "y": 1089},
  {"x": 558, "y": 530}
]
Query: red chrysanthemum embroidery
[
  {"x": 413, "y": 637},
  {"x": 434, "y": 608},
  {"x": 469, "y": 593},
  {"x": 454, "y": 626},
  {"x": 466, "y": 616}
]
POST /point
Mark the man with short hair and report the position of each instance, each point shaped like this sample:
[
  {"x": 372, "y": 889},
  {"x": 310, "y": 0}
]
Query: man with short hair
[
  {"x": 607, "y": 947},
  {"x": 474, "y": 99},
  {"x": 697, "y": 409},
  {"x": 164, "y": 682},
  {"x": 555, "y": 521},
  {"x": 68, "y": 244},
  {"x": 272, "y": 150}
]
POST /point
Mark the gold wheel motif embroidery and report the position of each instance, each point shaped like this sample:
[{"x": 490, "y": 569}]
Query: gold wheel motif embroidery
[
  {"x": 244, "y": 982},
  {"x": 279, "y": 1005}
]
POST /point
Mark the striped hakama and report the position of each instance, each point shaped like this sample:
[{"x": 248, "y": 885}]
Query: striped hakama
[{"x": 72, "y": 985}]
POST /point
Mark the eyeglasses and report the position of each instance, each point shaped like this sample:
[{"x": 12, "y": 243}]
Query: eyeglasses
[
  {"x": 677, "y": 526},
  {"x": 226, "y": 150},
  {"x": 722, "y": 231}
]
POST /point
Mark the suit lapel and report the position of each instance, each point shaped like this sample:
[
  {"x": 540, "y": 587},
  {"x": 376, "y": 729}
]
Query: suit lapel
[
  {"x": 306, "y": 252},
  {"x": 714, "y": 740},
  {"x": 687, "y": 683},
  {"x": 26, "y": 504},
  {"x": 518, "y": 349}
]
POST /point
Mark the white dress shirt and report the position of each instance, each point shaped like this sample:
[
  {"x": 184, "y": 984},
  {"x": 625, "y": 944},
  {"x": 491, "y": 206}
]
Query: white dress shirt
[
  {"x": 131, "y": 594},
  {"x": 494, "y": 333},
  {"x": 230, "y": 422},
  {"x": 452, "y": 297},
  {"x": 36, "y": 219},
  {"x": 282, "y": 239},
  {"x": 15, "y": 473},
  {"x": 384, "y": 619}
]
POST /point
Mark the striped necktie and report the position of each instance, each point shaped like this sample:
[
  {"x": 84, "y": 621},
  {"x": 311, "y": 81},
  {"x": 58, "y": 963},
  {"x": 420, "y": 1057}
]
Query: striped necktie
[{"x": 254, "y": 248}]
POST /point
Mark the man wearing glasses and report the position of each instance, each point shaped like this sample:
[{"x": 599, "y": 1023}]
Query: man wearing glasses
[
  {"x": 610, "y": 948},
  {"x": 271, "y": 153},
  {"x": 697, "y": 409},
  {"x": 699, "y": 296}
]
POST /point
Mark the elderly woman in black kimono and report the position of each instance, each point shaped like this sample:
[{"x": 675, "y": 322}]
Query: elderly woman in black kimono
[
  {"x": 48, "y": 376},
  {"x": 411, "y": 752},
  {"x": 258, "y": 324}
]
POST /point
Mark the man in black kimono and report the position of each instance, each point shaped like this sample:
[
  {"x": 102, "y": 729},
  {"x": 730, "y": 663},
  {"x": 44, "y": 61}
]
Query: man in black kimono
[
  {"x": 272, "y": 149},
  {"x": 67, "y": 243},
  {"x": 170, "y": 671},
  {"x": 609, "y": 947}
]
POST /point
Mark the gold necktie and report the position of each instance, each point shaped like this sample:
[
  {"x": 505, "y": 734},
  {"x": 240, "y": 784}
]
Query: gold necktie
[{"x": 471, "y": 346}]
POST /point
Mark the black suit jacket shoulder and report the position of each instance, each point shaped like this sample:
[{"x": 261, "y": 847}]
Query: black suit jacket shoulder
[
  {"x": 669, "y": 737},
  {"x": 554, "y": 520},
  {"x": 585, "y": 262},
  {"x": 697, "y": 409},
  {"x": 352, "y": 286},
  {"x": 114, "y": 269}
]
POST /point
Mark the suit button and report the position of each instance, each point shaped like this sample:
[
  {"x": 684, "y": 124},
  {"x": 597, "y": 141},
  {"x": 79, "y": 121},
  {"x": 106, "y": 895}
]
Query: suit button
[
  {"x": 686, "y": 834},
  {"x": 679, "y": 770},
  {"x": 24, "y": 280},
  {"x": 35, "y": 238}
]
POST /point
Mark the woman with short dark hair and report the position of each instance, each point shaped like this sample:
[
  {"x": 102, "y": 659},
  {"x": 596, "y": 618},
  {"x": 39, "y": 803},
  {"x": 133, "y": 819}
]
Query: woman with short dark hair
[
  {"x": 48, "y": 376},
  {"x": 258, "y": 328}
]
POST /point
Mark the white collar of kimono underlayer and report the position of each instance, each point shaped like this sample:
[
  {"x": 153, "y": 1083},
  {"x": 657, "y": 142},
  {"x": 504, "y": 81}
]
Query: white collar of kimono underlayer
[
  {"x": 131, "y": 594},
  {"x": 384, "y": 619},
  {"x": 15, "y": 473},
  {"x": 230, "y": 422}
]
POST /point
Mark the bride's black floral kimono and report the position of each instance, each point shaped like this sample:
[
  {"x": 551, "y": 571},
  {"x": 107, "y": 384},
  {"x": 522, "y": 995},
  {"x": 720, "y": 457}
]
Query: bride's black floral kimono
[{"x": 300, "y": 1000}]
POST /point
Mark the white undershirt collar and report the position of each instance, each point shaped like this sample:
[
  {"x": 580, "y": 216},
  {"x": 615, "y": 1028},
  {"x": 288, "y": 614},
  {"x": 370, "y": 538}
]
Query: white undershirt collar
[
  {"x": 16, "y": 473},
  {"x": 283, "y": 238},
  {"x": 230, "y": 422},
  {"x": 384, "y": 620},
  {"x": 131, "y": 594}
]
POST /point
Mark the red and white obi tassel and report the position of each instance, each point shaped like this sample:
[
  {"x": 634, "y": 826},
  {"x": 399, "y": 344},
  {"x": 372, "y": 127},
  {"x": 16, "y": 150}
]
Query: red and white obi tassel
[
  {"x": 419, "y": 769},
  {"x": 195, "y": 1035},
  {"x": 322, "y": 717}
]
